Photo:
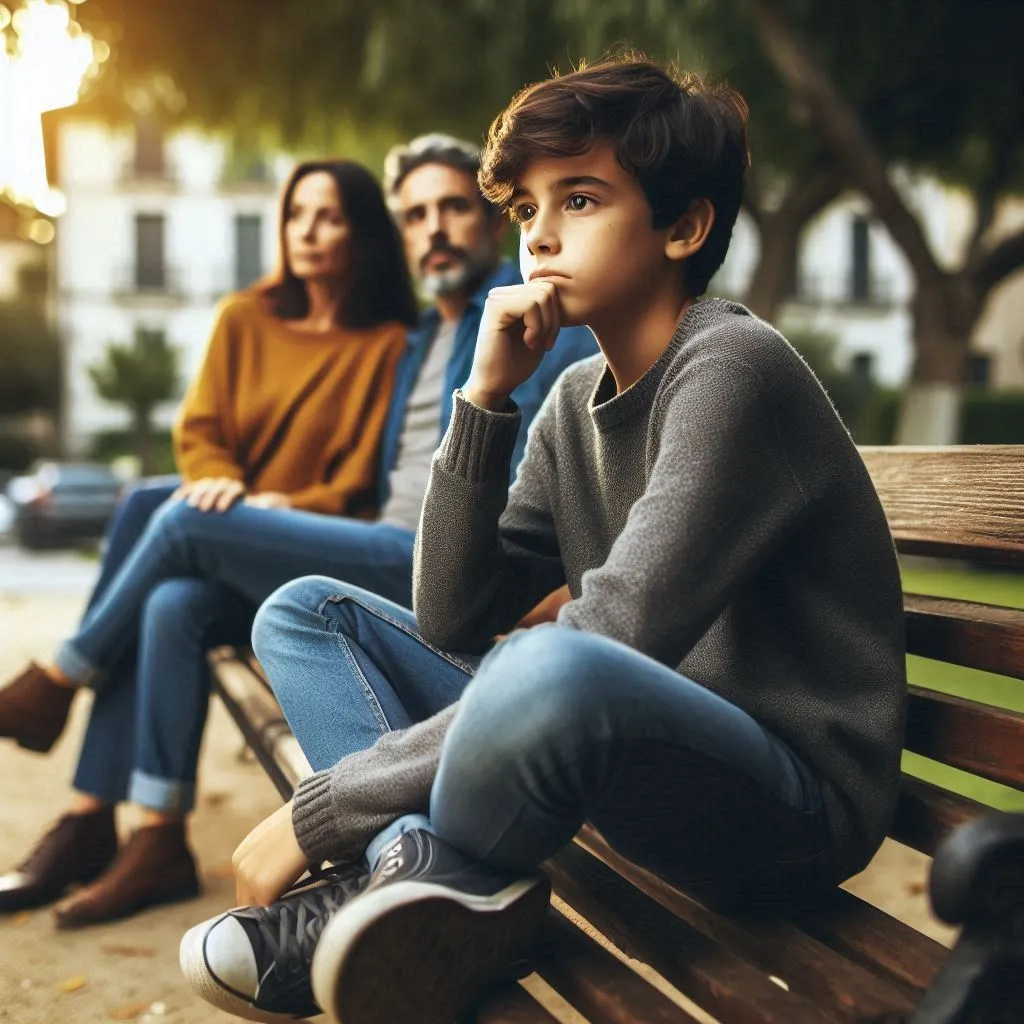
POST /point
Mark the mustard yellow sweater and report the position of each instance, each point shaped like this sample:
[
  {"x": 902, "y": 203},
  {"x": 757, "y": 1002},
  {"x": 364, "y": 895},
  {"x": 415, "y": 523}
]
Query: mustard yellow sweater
[{"x": 285, "y": 410}]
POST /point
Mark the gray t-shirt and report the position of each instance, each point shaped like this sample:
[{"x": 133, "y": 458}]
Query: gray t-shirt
[{"x": 421, "y": 433}]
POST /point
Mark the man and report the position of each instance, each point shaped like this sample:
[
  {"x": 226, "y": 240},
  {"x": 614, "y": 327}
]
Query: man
[{"x": 452, "y": 237}]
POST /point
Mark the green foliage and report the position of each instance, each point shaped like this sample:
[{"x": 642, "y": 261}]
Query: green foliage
[
  {"x": 140, "y": 375},
  {"x": 114, "y": 444},
  {"x": 30, "y": 358},
  {"x": 993, "y": 417},
  {"x": 18, "y": 452},
  {"x": 852, "y": 393}
]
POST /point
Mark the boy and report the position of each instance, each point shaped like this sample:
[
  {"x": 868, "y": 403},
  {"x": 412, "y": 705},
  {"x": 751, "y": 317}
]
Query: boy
[{"x": 722, "y": 694}]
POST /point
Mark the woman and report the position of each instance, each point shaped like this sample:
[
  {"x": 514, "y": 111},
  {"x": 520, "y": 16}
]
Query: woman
[{"x": 287, "y": 412}]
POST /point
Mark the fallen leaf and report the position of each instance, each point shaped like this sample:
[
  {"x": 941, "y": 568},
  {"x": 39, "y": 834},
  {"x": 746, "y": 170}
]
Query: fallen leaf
[
  {"x": 129, "y": 1012},
  {"x": 19, "y": 919},
  {"x": 72, "y": 984},
  {"x": 128, "y": 950}
]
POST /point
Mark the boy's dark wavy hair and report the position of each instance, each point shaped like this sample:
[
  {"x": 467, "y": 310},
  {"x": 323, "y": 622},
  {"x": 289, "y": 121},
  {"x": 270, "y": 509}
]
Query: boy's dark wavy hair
[{"x": 682, "y": 137}]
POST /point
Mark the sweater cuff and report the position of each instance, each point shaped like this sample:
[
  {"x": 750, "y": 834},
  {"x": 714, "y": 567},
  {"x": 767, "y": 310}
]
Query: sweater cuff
[
  {"x": 478, "y": 445},
  {"x": 312, "y": 817}
]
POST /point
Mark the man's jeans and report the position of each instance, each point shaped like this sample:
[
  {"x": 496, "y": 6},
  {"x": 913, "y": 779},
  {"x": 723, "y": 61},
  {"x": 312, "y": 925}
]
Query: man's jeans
[
  {"x": 556, "y": 727},
  {"x": 192, "y": 581}
]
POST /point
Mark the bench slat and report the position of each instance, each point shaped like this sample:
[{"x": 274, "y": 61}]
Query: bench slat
[
  {"x": 962, "y": 501},
  {"x": 598, "y": 984},
  {"x": 866, "y": 935},
  {"x": 926, "y": 813},
  {"x": 807, "y": 965},
  {"x": 725, "y": 985},
  {"x": 975, "y": 737},
  {"x": 510, "y": 1004},
  {"x": 981, "y": 636}
]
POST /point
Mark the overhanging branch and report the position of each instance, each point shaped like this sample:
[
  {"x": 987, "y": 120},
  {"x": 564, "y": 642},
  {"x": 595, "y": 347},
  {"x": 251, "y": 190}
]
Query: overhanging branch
[
  {"x": 844, "y": 133},
  {"x": 999, "y": 262}
]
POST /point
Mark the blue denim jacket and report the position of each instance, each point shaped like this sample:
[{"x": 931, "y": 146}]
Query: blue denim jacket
[{"x": 573, "y": 343}]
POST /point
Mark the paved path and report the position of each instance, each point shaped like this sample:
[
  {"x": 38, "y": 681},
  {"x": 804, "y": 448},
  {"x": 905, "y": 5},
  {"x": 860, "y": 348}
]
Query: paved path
[{"x": 69, "y": 573}]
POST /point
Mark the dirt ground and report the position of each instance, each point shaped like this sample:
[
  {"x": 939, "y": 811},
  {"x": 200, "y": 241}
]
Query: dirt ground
[{"x": 129, "y": 970}]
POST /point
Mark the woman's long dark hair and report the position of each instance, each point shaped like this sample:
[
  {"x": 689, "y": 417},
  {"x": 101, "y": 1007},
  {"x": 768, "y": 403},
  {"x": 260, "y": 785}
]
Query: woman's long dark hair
[{"x": 379, "y": 287}]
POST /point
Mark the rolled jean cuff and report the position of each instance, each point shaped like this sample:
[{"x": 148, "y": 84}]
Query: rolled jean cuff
[
  {"x": 161, "y": 794},
  {"x": 75, "y": 666},
  {"x": 384, "y": 838}
]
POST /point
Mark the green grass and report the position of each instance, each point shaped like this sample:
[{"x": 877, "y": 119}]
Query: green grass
[{"x": 991, "y": 587}]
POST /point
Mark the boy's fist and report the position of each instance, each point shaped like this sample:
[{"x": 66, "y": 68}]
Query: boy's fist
[{"x": 519, "y": 324}]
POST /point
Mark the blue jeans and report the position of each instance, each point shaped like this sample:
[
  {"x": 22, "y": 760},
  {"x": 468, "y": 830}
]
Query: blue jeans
[
  {"x": 192, "y": 581},
  {"x": 556, "y": 727}
]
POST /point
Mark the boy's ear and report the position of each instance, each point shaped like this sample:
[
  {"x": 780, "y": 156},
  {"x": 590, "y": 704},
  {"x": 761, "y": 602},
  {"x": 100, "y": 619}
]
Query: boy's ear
[{"x": 691, "y": 231}]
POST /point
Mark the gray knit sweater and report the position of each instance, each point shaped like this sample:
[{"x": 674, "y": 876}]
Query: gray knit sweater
[{"x": 715, "y": 516}]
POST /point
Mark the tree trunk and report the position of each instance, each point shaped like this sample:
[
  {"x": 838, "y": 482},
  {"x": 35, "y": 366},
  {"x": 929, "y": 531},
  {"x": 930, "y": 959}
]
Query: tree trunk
[
  {"x": 780, "y": 232},
  {"x": 775, "y": 273},
  {"x": 144, "y": 440},
  {"x": 943, "y": 322}
]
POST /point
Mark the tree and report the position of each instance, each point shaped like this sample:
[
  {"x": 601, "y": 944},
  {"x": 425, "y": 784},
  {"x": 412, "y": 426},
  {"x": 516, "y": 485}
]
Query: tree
[
  {"x": 966, "y": 97},
  {"x": 30, "y": 358},
  {"x": 139, "y": 376}
]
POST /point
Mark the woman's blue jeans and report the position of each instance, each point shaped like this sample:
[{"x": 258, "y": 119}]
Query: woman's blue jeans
[
  {"x": 175, "y": 583},
  {"x": 556, "y": 727}
]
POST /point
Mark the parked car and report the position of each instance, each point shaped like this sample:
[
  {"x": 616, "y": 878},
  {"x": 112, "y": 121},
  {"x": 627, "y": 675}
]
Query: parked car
[{"x": 62, "y": 501}]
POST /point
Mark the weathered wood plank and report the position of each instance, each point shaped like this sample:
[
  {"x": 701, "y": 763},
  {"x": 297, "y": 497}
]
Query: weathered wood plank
[
  {"x": 959, "y": 502},
  {"x": 725, "y": 985},
  {"x": 510, "y": 1004},
  {"x": 926, "y": 813},
  {"x": 598, "y": 984},
  {"x": 811, "y": 968},
  {"x": 982, "y": 636},
  {"x": 975, "y": 737}
]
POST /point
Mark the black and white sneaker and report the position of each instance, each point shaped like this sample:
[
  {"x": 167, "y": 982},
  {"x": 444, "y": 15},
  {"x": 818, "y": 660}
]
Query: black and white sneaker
[
  {"x": 254, "y": 962},
  {"x": 432, "y": 930}
]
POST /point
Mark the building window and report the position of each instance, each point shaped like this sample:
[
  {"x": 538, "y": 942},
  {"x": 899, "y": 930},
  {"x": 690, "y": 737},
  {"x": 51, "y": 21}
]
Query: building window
[
  {"x": 979, "y": 370},
  {"x": 248, "y": 249},
  {"x": 149, "y": 147},
  {"x": 860, "y": 260},
  {"x": 862, "y": 366},
  {"x": 150, "y": 271}
]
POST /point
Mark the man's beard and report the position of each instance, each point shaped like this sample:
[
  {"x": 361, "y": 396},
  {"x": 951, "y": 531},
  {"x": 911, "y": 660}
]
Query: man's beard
[{"x": 463, "y": 278}]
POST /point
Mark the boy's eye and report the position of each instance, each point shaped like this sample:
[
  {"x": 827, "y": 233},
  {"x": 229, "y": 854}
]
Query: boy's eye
[
  {"x": 523, "y": 212},
  {"x": 578, "y": 203}
]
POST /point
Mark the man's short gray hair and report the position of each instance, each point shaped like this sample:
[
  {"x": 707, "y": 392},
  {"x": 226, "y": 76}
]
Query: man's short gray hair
[{"x": 435, "y": 148}]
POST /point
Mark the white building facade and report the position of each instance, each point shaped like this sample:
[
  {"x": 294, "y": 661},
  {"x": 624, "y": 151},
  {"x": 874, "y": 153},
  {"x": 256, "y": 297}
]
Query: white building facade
[
  {"x": 156, "y": 231},
  {"x": 854, "y": 283}
]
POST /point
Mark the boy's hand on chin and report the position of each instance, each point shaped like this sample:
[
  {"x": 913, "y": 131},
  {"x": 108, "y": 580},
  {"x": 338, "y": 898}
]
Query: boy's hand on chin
[{"x": 519, "y": 324}]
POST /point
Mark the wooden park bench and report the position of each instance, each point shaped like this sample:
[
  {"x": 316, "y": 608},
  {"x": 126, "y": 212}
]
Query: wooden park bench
[{"x": 846, "y": 961}]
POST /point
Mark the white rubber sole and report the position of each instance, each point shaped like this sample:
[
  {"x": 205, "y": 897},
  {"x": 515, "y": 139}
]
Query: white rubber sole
[
  {"x": 416, "y": 952},
  {"x": 205, "y": 985}
]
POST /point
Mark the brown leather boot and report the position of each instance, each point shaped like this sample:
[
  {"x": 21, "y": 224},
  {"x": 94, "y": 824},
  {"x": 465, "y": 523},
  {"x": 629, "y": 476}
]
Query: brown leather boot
[
  {"x": 154, "y": 866},
  {"x": 78, "y": 848},
  {"x": 34, "y": 709}
]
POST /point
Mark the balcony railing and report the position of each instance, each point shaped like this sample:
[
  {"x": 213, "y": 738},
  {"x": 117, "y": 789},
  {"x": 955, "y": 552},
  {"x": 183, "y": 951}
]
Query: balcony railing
[
  {"x": 161, "y": 174},
  {"x": 817, "y": 289},
  {"x": 148, "y": 280}
]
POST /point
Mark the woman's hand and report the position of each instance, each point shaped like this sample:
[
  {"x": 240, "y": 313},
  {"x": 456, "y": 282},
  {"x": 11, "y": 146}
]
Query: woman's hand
[
  {"x": 544, "y": 611},
  {"x": 269, "y": 499},
  {"x": 211, "y": 494},
  {"x": 268, "y": 860}
]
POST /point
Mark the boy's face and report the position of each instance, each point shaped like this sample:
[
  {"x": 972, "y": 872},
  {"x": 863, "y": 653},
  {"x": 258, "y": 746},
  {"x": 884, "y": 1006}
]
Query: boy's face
[{"x": 586, "y": 226}]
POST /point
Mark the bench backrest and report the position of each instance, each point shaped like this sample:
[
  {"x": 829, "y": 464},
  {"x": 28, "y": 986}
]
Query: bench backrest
[{"x": 967, "y": 504}]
